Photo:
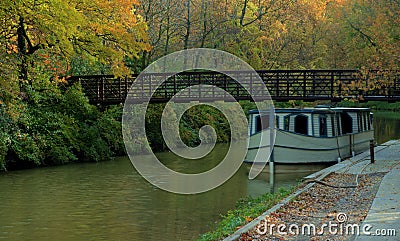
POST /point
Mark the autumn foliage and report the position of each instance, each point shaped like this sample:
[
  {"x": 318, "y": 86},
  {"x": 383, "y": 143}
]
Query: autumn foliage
[
  {"x": 280, "y": 34},
  {"x": 103, "y": 32}
]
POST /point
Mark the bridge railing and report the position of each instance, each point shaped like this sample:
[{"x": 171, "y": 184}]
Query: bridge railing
[{"x": 283, "y": 85}]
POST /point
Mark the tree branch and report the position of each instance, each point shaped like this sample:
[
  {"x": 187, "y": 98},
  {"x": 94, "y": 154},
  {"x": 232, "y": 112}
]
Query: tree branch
[
  {"x": 243, "y": 12},
  {"x": 369, "y": 38}
]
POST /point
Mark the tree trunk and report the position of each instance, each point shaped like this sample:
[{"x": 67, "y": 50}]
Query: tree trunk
[
  {"x": 23, "y": 63},
  {"x": 187, "y": 35},
  {"x": 204, "y": 11},
  {"x": 188, "y": 26}
]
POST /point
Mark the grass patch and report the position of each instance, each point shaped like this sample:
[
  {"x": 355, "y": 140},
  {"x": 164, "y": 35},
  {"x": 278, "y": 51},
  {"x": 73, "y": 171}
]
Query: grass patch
[
  {"x": 387, "y": 115},
  {"x": 246, "y": 210}
]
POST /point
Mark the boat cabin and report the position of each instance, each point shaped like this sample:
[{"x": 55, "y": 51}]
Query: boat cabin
[{"x": 321, "y": 121}]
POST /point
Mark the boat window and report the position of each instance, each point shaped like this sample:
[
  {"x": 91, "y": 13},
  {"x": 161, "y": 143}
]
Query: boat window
[
  {"x": 286, "y": 120},
  {"x": 301, "y": 124},
  {"x": 333, "y": 125},
  {"x": 323, "y": 130},
  {"x": 262, "y": 122},
  {"x": 277, "y": 122},
  {"x": 347, "y": 123},
  {"x": 258, "y": 124}
]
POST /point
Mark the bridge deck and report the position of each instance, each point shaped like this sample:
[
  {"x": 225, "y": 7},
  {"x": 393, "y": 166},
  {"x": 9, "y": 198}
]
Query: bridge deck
[{"x": 283, "y": 85}]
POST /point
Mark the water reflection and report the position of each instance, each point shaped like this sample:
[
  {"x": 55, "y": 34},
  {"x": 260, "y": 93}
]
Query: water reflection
[{"x": 386, "y": 126}]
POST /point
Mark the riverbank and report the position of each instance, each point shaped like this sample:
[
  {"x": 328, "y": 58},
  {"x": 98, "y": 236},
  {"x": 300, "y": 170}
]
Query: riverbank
[
  {"x": 246, "y": 210},
  {"x": 353, "y": 193}
]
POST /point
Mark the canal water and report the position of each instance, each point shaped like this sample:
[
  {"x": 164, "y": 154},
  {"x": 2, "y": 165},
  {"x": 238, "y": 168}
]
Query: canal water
[
  {"x": 386, "y": 126},
  {"x": 111, "y": 201}
]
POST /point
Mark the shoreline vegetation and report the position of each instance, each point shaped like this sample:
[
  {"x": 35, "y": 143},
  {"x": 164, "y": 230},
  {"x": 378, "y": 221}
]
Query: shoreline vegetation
[{"x": 51, "y": 126}]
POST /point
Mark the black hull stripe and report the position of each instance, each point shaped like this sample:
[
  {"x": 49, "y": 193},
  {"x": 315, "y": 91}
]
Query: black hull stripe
[
  {"x": 307, "y": 149},
  {"x": 322, "y": 137},
  {"x": 290, "y": 163}
]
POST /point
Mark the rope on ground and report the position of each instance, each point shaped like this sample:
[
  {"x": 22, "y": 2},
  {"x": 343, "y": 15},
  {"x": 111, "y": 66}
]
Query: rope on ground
[{"x": 330, "y": 185}]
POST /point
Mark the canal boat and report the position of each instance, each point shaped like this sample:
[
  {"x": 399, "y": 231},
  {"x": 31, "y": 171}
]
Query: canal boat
[{"x": 310, "y": 135}]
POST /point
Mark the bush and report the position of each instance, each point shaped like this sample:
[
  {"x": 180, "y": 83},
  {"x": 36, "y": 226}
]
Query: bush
[
  {"x": 50, "y": 126},
  {"x": 191, "y": 122}
]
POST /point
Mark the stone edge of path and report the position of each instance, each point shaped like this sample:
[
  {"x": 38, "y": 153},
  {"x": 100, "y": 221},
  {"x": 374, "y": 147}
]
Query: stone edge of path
[
  {"x": 318, "y": 176},
  {"x": 384, "y": 211}
]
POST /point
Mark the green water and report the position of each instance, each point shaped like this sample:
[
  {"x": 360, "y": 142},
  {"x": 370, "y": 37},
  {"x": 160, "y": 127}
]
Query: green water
[
  {"x": 386, "y": 126},
  {"x": 111, "y": 201}
]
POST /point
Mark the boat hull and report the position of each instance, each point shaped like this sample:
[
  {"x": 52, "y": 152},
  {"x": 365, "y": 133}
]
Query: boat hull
[{"x": 293, "y": 148}]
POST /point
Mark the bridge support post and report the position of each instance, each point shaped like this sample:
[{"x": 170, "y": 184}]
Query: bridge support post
[{"x": 271, "y": 144}]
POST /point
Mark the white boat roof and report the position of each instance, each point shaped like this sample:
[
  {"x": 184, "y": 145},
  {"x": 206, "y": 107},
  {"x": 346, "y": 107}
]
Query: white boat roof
[{"x": 317, "y": 109}]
